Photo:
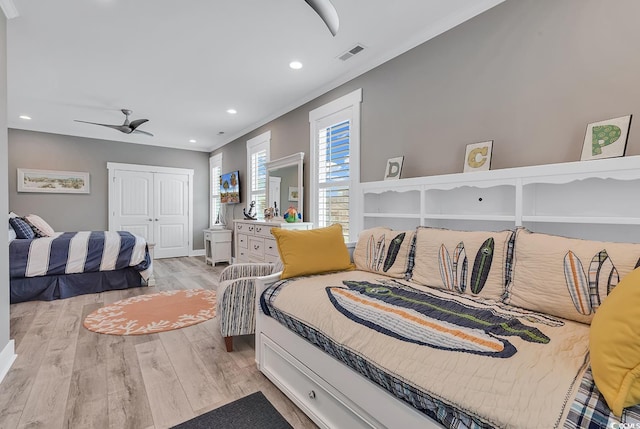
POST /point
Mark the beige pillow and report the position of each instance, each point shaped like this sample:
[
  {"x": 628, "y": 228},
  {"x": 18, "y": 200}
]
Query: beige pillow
[
  {"x": 39, "y": 226},
  {"x": 382, "y": 250},
  {"x": 472, "y": 262},
  {"x": 567, "y": 277}
]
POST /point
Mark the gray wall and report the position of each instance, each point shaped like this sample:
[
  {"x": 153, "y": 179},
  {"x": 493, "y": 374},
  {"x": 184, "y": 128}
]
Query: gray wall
[
  {"x": 528, "y": 74},
  {"x": 80, "y": 212},
  {"x": 4, "y": 249}
]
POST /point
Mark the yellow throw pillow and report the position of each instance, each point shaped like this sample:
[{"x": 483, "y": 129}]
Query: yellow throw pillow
[
  {"x": 615, "y": 345},
  {"x": 314, "y": 251}
]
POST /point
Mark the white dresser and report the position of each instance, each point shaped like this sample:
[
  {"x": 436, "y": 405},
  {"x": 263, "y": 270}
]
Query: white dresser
[{"x": 253, "y": 241}]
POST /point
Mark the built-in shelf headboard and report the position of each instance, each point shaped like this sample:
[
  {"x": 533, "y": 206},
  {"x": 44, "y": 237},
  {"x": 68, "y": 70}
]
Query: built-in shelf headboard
[{"x": 589, "y": 199}]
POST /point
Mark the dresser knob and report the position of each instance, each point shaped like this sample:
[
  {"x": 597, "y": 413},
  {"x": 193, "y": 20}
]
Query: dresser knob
[{"x": 312, "y": 395}]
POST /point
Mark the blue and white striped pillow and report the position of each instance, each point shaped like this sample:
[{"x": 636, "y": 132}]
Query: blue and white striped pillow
[{"x": 22, "y": 228}]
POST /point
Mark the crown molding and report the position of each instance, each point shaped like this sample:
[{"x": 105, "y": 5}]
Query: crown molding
[{"x": 9, "y": 9}]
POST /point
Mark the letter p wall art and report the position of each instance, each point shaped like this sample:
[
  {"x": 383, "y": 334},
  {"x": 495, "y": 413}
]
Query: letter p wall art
[{"x": 606, "y": 139}]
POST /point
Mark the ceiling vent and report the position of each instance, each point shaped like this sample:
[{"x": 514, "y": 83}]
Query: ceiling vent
[{"x": 351, "y": 52}]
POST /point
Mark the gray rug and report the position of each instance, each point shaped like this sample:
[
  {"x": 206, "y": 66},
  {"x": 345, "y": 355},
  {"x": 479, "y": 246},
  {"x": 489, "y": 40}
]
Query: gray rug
[{"x": 253, "y": 411}]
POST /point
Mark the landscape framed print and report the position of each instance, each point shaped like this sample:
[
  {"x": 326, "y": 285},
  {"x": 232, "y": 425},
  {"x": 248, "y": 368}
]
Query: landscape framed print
[
  {"x": 606, "y": 139},
  {"x": 478, "y": 156},
  {"x": 50, "y": 181}
]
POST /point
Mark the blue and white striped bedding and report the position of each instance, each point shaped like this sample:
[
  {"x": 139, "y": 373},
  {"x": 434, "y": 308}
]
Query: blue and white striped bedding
[{"x": 78, "y": 252}]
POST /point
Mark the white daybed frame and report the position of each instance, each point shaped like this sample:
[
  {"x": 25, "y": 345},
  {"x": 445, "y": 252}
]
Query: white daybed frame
[{"x": 556, "y": 198}]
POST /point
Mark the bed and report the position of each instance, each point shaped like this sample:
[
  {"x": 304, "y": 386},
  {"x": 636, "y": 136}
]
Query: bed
[{"x": 68, "y": 264}]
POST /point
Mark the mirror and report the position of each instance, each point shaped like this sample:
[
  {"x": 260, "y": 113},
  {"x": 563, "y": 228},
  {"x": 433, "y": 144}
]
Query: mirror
[{"x": 284, "y": 184}]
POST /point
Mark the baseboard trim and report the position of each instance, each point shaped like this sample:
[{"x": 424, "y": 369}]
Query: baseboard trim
[
  {"x": 7, "y": 357},
  {"x": 199, "y": 252}
]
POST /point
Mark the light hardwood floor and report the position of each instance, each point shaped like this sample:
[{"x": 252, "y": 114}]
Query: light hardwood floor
[{"x": 68, "y": 377}]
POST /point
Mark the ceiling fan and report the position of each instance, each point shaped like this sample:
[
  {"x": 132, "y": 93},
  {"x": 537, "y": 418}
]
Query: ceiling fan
[
  {"x": 127, "y": 127},
  {"x": 328, "y": 13}
]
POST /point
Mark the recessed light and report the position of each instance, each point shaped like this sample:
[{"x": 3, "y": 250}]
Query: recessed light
[
  {"x": 192, "y": 141},
  {"x": 28, "y": 118},
  {"x": 232, "y": 111},
  {"x": 296, "y": 65}
]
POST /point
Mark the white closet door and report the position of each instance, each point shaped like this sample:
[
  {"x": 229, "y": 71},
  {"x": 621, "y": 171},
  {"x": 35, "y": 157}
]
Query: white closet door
[
  {"x": 171, "y": 215},
  {"x": 133, "y": 203}
]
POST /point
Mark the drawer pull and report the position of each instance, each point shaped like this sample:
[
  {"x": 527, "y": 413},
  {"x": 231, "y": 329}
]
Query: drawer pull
[
  {"x": 256, "y": 246},
  {"x": 258, "y": 228},
  {"x": 312, "y": 395},
  {"x": 239, "y": 226}
]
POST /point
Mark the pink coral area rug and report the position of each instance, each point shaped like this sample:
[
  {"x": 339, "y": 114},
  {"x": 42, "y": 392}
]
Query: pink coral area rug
[{"x": 157, "y": 312}]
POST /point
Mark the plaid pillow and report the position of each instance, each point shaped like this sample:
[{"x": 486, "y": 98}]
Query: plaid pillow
[{"x": 22, "y": 228}]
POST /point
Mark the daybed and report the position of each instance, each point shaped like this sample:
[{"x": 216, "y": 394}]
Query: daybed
[
  {"x": 48, "y": 265},
  {"x": 467, "y": 329}
]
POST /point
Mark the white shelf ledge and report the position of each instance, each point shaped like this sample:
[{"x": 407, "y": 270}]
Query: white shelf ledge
[
  {"x": 445, "y": 216},
  {"x": 394, "y": 215},
  {"x": 584, "y": 219}
]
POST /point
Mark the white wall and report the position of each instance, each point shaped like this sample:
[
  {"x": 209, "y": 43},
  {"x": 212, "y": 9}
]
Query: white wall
[{"x": 7, "y": 354}]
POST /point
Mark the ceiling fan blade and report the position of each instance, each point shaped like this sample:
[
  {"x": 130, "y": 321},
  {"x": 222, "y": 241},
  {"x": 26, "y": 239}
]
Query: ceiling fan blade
[
  {"x": 142, "y": 132},
  {"x": 121, "y": 128},
  {"x": 327, "y": 12},
  {"x": 135, "y": 124}
]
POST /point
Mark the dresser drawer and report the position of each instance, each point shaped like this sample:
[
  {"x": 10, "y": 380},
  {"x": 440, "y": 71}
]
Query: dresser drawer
[
  {"x": 263, "y": 231},
  {"x": 243, "y": 255},
  {"x": 207, "y": 235},
  {"x": 243, "y": 241},
  {"x": 270, "y": 247},
  {"x": 244, "y": 228},
  {"x": 256, "y": 247}
]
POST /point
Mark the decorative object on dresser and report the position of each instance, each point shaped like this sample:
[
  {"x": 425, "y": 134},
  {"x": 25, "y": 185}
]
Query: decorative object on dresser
[
  {"x": 49, "y": 181},
  {"x": 217, "y": 246},
  {"x": 251, "y": 214},
  {"x": 478, "y": 156},
  {"x": 253, "y": 241},
  {"x": 394, "y": 168},
  {"x": 606, "y": 139}
]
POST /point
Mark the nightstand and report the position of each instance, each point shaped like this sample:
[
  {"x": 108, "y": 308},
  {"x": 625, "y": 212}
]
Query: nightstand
[{"x": 217, "y": 246}]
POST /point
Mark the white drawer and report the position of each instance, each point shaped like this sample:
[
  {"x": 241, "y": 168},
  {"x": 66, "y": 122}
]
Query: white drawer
[
  {"x": 243, "y": 255},
  {"x": 222, "y": 237},
  {"x": 243, "y": 241},
  {"x": 298, "y": 380},
  {"x": 256, "y": 247},
  {"x": 271, "y": 258},
  {"x": 263, "y": 231},
  {"x": 244, "y": 228},
  {"x": 270, "y": 247}
]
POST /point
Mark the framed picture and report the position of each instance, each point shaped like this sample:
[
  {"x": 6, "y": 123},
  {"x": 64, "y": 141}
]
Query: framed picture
[
  {"x": 606, "y": 139},
  {"x": 478, "y": 156},
  {"x": 394, "y": 168},
  {"x": 55, "y": 182},
  {"x": 293, "y": 193}
]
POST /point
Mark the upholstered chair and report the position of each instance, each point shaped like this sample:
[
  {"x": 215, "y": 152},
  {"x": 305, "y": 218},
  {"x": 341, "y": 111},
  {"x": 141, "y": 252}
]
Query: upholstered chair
[{"x": 236, "y": 299}]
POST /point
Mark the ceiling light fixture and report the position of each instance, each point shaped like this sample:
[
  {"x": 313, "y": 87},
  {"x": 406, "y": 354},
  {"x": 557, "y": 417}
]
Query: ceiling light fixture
[
  {"x": 296, "y": 65},
  {"x": 28, "y": 118},
  {"x": 192, "y": 141},
  {"x": 232, "y": 111}
]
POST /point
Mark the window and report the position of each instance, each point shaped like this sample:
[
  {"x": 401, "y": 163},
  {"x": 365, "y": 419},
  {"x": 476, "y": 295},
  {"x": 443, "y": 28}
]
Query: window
[
  {"x": 335, "y": 164},
  {"x": 215, "y": 170},
  {"x": 257, "y": 158}
]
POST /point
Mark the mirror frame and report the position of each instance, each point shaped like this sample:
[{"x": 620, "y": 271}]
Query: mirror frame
[{"x": 296, "y": 159}]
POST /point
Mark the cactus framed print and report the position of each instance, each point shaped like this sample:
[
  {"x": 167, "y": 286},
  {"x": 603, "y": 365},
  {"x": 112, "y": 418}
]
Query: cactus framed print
[
  {"x": 606, "y": 139},
  {"x": 478, "y": 156}
]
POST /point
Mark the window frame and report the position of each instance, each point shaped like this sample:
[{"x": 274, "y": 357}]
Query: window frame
[
  {"x": 215, "y": 161},
  {"x": 347, "y": 107},
  {"x": 255, "y": 145}
]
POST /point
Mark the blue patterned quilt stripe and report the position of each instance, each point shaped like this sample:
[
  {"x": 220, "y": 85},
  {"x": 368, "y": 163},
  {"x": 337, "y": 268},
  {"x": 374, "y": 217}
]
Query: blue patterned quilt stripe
[
  {"x": 588, "y": 410},
  {"x": 58, "y": 257}
]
